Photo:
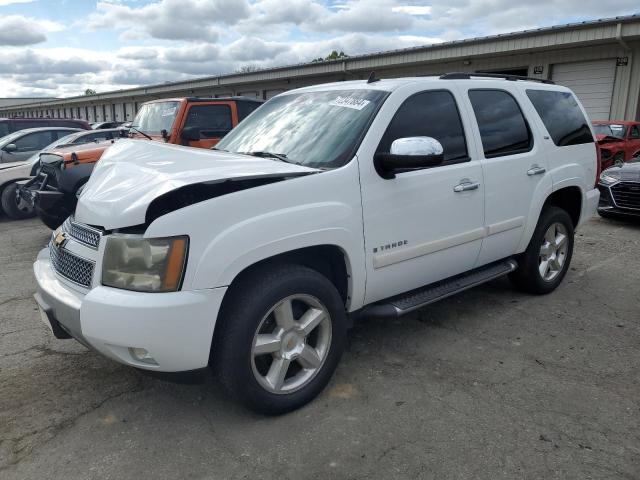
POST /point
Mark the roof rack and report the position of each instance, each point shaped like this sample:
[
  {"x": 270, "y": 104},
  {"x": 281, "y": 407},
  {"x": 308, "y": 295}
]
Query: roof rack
[{"x": 467, "y": 76}]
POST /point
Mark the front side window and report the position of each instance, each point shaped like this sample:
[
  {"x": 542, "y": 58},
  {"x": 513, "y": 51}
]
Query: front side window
[
  {"x": 563, "y": 118},
  {"x": 635, "y": 132},
  {"x": 319, "y": 129},
  {"x": 33, "y": 141},
  {"x": 429, "y": 114},
  {"x": 212, "y": 120},
  {"x": 155, "y": 117},
  {"x": 503, "y": 129}
]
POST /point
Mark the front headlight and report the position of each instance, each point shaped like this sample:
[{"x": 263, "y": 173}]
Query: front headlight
[
  {"x": 609, "y": 177},
  {"x": 145, "y": 264}
]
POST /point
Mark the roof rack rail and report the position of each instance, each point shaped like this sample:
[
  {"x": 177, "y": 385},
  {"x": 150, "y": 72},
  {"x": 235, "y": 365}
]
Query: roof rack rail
[{"x": 467, "y": 76}]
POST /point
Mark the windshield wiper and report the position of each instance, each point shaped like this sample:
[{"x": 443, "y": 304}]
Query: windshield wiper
[
  {"x": 139, "y": 131},
  {"x": 282, "y": 157}
]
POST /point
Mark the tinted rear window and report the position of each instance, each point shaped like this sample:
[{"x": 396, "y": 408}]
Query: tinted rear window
[
  {"x": 562, "y": 116},
  {"x": 213, "y": 120},
  {"x": 503, "y": 128}
]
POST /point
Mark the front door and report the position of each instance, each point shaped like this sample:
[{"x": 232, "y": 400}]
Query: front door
[{"x": 418, "y": 227}]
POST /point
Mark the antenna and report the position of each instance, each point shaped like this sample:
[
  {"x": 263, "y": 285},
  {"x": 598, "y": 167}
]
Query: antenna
[{"x": 372, "y": 78}]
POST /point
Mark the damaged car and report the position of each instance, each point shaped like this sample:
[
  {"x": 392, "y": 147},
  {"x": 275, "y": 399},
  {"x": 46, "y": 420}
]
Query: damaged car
[{"x": 362, "y": 199}]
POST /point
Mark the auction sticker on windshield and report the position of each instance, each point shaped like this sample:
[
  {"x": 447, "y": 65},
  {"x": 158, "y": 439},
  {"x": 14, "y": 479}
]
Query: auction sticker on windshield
[
  {"x": 349, "y": 102},
  {"x": 169, "y": 111}
]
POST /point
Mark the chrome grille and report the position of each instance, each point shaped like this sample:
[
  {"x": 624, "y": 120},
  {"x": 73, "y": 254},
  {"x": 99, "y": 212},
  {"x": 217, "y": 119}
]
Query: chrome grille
[
  {"x": 626, "y": 194},
  {"x": 70, "y": 266},
  {"x": 84, "y": 234}
]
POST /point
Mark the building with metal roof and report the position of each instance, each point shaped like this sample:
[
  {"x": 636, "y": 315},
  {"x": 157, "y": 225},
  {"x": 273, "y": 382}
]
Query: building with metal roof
[{"x": 599, "y": 60}]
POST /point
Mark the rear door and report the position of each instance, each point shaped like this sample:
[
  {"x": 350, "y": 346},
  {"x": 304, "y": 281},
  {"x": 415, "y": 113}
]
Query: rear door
[
  {"x": 511, "y": 163},
  {"x": 214, "y": 120}
]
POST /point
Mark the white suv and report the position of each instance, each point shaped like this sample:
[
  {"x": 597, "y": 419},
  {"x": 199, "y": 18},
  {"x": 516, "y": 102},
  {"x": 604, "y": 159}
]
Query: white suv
[{"x": 329, "y": 202}]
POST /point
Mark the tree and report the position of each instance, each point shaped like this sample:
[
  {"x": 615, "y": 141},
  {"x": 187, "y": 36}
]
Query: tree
[
  {"x": 334, "y": 55},
  {"x": 89, "y": 91},
  {"x": 248, "y": 69}
]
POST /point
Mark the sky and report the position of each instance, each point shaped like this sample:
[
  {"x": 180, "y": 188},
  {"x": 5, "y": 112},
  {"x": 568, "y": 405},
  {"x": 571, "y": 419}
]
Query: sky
[{"x": 61, "y": 48}]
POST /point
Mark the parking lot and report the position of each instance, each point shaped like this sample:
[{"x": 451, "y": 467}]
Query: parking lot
[{"x": 487, "y": 384}]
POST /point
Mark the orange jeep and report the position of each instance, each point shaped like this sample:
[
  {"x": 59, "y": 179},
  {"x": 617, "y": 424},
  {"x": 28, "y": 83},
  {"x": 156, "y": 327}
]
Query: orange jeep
[{"x": 193, "y": 122}]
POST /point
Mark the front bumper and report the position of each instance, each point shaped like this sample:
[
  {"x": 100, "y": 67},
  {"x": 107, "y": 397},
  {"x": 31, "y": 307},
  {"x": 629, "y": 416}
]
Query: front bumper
[
  {"x": 592, "y": 197},
  {"x": 608, "y": 205},
  {"x": 175, "y": 328}
]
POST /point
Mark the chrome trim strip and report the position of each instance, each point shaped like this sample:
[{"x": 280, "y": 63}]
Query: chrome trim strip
[{"x": 385, "y": 259}]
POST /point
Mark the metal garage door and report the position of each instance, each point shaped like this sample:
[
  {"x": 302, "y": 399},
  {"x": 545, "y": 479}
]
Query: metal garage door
[{"x": 591, "y": 81}]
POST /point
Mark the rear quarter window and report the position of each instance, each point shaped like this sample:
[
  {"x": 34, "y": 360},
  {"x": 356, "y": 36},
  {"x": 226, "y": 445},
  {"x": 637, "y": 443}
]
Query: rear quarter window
[{"x": 561, "y": 116}]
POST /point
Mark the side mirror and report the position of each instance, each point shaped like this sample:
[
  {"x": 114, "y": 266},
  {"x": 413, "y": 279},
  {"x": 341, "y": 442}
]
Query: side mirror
[
  {"x": 190, "y": 134},
  {"x": 409, "y": 154},
  {"x": 10, "y": 148},
  {"x": 123, "y": 132}
]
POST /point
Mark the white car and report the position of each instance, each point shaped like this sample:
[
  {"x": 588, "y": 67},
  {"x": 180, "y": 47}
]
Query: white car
[{"x": 329, "y": 202}]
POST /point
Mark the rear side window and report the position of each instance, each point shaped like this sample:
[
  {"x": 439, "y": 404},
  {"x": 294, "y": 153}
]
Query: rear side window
[
  {"x": 503, "y": 128},
  {"x": 429, "y": 114},
  {"x": 561, "y": 116},
  {"x": 213, "y": 120}
]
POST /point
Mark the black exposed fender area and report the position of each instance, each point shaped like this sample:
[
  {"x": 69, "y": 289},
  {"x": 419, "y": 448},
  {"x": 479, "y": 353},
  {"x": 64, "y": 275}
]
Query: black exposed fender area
[
  {"x": 199, "y": 192},
  {"x": 70, "y": 179}
]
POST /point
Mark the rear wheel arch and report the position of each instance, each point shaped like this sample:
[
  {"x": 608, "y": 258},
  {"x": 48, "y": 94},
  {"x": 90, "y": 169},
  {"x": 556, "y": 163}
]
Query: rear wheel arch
[{"x": 568, "y": 199}]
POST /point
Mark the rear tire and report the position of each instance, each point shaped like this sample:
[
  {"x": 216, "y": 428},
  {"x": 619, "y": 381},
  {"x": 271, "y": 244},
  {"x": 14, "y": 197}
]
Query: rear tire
[
  {"x": 280, "y": 335},
  {"x": 546, "y": 260},
  {"x": 14, "y": 207}
]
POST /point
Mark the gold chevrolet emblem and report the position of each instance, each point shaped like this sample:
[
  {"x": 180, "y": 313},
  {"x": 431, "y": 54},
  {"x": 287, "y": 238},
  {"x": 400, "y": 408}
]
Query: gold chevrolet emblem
[{"x": 60, "y": 239}]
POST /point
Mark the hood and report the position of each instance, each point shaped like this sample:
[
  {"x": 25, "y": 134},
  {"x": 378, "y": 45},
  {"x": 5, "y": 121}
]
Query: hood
[
  {"x": 132, "y": 174},
  {"x": 628, "y": 172},
  {"x": 607, "y": 139}
]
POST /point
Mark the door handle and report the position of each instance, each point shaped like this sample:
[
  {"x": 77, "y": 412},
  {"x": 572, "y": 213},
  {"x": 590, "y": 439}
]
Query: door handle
[
  {"x": 466, "y": 186},
  {"x": 536, "y": 170}
]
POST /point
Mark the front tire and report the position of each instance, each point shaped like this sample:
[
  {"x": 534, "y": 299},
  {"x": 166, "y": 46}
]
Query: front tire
[
  {"x": 280, "y": 336},
  {"x": 14, "y": 207},
  {"x": 546, "y": 260}
]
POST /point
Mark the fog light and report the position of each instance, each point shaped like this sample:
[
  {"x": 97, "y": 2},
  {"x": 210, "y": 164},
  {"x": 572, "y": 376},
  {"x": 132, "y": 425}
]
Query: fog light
[{"x": 142, "y": 355}]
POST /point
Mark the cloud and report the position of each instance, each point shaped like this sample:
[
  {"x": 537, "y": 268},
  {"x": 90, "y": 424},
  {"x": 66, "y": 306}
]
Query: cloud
[
  {"x": 16, "y": 30},
  {"x": 11, "y": 2},
  {"x": 413, "y": 9},
  {"x": 189, "y": 20}
]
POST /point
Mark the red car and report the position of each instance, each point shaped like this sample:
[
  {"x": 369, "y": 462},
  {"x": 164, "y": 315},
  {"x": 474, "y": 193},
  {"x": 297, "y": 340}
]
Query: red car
[{"x": 619, "y": 142}]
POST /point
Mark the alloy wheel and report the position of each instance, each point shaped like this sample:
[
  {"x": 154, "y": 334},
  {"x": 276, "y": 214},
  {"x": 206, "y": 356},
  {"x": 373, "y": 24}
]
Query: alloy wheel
[
  {"x": 291, "y": 344},
  {"x": 553, "y": 252}
]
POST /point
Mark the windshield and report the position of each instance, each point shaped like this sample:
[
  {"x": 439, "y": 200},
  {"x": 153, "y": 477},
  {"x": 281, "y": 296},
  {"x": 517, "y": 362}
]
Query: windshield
[
  {"x": 155, "y": 117},
  {"x": 617, "y": 131},
  {"x": 315, "y": 129}
]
